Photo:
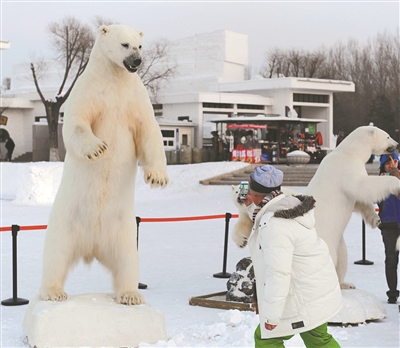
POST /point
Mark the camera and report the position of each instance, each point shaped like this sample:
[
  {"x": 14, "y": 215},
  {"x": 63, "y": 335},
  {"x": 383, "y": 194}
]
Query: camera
[{"x": 243, "y": 190}]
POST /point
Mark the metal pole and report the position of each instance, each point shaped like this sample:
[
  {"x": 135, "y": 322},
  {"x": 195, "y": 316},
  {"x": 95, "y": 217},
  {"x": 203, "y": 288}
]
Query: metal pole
[
  {"x": 14, "y": 301},
  {"x": 141, "y": 286},
  {"x": 363, "y": 261},
  {"x": 224, "y": 274}
]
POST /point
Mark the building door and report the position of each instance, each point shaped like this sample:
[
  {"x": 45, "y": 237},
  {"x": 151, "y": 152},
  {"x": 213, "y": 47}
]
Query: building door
[{"x": 185, "y": 137}]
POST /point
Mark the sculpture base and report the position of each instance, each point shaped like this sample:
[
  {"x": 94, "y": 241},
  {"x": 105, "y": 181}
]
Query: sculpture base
[
  {"x": 92, "y": 320},
  {"x": 358, "y": 307}
]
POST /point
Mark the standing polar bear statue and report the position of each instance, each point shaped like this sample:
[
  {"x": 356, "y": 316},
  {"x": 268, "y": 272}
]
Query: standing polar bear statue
[
  {"x": 109, "y": 127},
  {"x": 340, "y": 186}
]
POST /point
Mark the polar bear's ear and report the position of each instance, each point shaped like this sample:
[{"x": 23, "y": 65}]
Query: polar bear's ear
[
  {"x": 103, "y": 29},
  {"x": 372, "y": 131},
  {"x": 141, "y": 33}
]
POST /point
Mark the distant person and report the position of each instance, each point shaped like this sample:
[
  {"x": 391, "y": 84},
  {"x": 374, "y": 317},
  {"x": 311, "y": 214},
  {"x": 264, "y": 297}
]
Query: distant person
[
  {"x": 230, "y": 139},
  {"x": 297, "y": 286},
  {"x": 389, "y": 212},
  {"x": 339, "y": 138},
  {"x": 10, "y": 145}
]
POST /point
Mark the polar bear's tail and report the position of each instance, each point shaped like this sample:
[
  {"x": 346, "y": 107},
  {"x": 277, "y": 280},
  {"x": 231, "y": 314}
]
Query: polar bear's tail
[{"x": 398, "y": 244}]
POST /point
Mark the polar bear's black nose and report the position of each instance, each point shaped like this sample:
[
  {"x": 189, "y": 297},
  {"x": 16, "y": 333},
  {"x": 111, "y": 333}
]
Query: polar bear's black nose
[{"x": 132, "y": 63}]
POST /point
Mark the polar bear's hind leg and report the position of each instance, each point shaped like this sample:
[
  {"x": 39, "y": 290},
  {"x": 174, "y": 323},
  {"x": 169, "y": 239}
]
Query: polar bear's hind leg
[
  {"x": 124, "y": 267},
  {"x": 57, "y": 262},
  {"x": 341, "y": 266}
]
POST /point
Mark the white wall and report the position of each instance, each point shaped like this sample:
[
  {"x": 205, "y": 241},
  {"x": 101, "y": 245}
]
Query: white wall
[{"x": 220, "y": 56}]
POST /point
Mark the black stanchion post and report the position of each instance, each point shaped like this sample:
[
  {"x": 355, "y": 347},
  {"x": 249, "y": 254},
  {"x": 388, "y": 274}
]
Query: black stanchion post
[
  {"x": 14, "y": 301},
  {"x": 224, "y": 274},
  {"x": 363, "y": 261},
  {"x": 141, "y": 286}
]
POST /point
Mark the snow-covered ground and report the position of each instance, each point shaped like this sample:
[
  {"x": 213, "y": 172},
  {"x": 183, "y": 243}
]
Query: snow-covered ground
[{"x": 177, "y": 259}]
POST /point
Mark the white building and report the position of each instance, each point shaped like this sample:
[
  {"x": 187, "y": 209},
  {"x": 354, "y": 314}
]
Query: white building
[{"x": 208, "y": 85}]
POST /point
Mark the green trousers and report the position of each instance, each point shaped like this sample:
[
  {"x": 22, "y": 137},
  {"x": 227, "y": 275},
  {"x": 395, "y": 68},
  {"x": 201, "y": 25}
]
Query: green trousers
[{"x": 315, "y": 338}]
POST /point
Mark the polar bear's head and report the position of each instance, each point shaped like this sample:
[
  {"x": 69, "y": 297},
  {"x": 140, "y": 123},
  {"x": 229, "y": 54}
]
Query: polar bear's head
[
  {"x": 122, "y": 45},
  {"x": 368, "y": 140},
  {"x": 381, "y": 143}
]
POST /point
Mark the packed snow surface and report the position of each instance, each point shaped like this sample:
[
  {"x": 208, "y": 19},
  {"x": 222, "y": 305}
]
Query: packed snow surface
[{"x": 177, "y": 259}]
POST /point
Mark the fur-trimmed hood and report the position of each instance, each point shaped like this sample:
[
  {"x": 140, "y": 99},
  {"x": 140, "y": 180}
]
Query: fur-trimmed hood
[
  {"x": 299, "y": 208},
  {"x": 307, "y": 204}
]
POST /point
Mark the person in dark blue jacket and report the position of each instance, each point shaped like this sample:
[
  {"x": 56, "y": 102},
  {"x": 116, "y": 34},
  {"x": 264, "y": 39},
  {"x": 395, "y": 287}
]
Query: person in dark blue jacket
[{"x": 389, "y": 212}]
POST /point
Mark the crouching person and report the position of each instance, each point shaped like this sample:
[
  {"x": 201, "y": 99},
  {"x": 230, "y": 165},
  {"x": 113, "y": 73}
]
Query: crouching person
[{"x": 297, "y": 286}]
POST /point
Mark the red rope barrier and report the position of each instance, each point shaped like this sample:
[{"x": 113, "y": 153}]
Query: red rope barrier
[
  {"x": 188, "y": 218},
  {"x": 172, "y": 219},
  {"x": 30, "y": 228}
]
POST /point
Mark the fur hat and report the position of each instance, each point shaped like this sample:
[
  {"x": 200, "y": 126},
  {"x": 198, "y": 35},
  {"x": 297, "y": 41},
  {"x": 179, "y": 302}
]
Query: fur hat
[{"x": 266, "y": 179}]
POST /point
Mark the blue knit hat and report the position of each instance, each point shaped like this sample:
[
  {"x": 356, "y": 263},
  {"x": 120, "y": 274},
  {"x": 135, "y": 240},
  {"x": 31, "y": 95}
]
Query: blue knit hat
[
  {"x": 266, "y": 179},
  {"x": 386, "y": 158}
]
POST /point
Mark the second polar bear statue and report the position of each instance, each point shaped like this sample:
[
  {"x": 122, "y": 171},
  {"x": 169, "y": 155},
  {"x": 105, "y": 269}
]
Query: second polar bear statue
[
  {"x": 109, "y": 127},
  {"x": 340, "y": 186}
]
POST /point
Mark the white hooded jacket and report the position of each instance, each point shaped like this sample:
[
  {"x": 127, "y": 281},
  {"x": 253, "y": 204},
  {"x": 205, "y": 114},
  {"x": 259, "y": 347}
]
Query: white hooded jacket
[{"x": 297, "y": 285}]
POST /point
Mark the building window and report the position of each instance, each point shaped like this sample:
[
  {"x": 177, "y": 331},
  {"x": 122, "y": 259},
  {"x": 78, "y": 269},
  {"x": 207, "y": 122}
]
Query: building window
[
  {"x": 168, "y": 133},
  {"x": 39, "y": 118},
  {"x": 217, "y": 106},
  {"x": 184, "y": 118},
  {"x": 311, "y": 98},
  {"x": 250, "y": 106},
  {"x": 168, "y": 138},
  {"x": 168, "y": 143},
  {"x": 184, "y": 139},
  {"x": 158, "y": 110},
  {"x": 297, "y": 108}
]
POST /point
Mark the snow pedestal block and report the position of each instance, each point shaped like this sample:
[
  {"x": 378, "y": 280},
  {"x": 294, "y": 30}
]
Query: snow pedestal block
[
  {"x": 92, "y": 320},
  {"x": 358, "y": 307}
]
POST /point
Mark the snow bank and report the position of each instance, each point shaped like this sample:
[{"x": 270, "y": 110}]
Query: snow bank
[
  {"x": 236, "y": 329},
  {"x": 38, "y": 182}
]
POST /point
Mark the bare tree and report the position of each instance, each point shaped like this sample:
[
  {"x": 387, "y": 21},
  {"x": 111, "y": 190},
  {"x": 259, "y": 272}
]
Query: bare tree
[
  {"x": 72, "y": 41},
  {"x": 248, "y": 72},
  {"x": 374, "y": 67},
  {"x": 273, "y": 64},
  {"x": 296, "y": 60},
  {"x": 312, "y": 63},
  {"x": 157, "y": 67},
  {"x": 5, "y": 102}
]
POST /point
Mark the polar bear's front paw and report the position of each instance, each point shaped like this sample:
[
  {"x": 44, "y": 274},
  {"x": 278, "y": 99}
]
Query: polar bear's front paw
[
  {"x": 155, "y": 179},
  {"x": 130, "y": 298},
  {"x": 53, "y": 294},
  {"x": 239, "y": 239},
  {"x": 96, "y": 150},
  {"x": 373, "y": 220},
  {"x": 345, "y": 285}
]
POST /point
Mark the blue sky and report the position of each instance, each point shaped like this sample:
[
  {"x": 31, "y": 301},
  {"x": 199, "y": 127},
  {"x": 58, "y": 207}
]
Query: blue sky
[{"x": 268, "y": 24}]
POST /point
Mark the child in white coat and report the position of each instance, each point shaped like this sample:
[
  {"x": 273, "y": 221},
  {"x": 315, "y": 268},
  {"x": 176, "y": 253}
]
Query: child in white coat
[{"x": 297, "y": 286}]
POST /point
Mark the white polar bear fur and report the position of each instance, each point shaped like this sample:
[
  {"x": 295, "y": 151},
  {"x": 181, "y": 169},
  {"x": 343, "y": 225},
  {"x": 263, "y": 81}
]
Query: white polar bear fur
[
  {"x": 109, "y": 127},
  {"x": 242, "y": 228},
  {"x": 342, "y": 185}
]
